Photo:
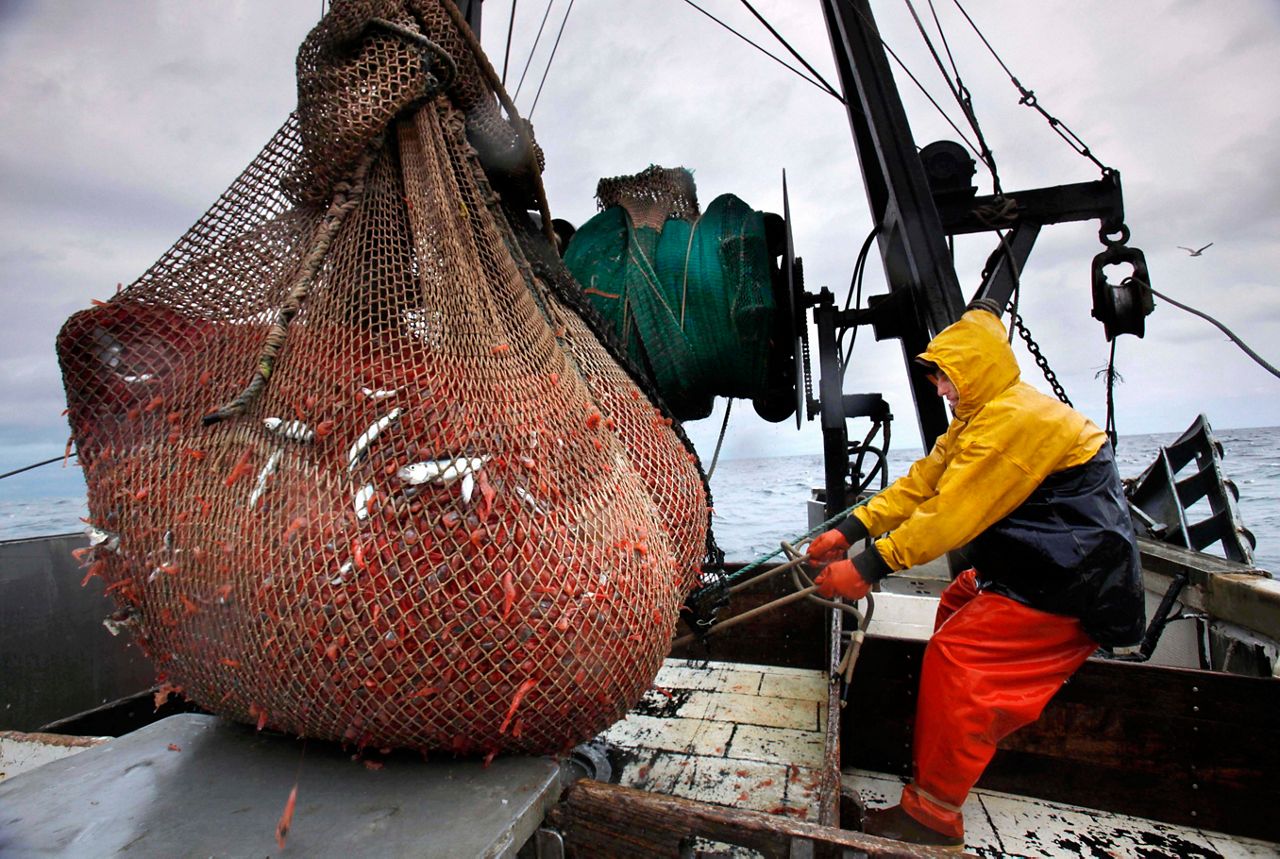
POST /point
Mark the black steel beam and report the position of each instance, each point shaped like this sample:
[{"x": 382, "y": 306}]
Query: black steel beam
[
  {"x": 835, "y": 433},
  {"x": 912, "y": 244},
  {"x": 1083, "y": 201},
  {"x": 1004, "y": 273}
]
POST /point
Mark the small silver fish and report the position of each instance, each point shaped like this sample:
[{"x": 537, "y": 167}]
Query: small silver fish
[
  {"x": 267, "y": 470},
  {"x": 468, "y": 486},
  {"x": 361, "y": 501},
  {"x": 362, "y": 442},
  {"x": 115, "y": 625},
  {"x": 527, "y": 497},
  {"x": 380, "y": 393},
  {"x": 134, "y": 379},
  {"x": 443, "y": 471},
  {"x": 290, "y": 430},
  {"x": 341, "y": 578},
  {"x": 102, "y": 541}
]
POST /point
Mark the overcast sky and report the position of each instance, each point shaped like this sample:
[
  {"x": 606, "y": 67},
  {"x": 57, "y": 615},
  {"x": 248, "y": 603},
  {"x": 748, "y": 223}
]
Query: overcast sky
[{"x": 124, "y": 120}]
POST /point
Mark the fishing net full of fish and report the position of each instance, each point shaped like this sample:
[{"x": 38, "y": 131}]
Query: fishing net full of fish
[{"x": 362, "y": 464}]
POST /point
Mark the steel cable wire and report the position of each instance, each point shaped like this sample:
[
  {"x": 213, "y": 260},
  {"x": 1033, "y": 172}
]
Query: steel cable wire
[
  {"x": 901, "y": 64},
  {"x": 550, "y": 59},
  {"x": 822, "y": 86},
  {"x": 529, "y": 61},
  {"x": 792, "y": 50},
  {"x": 1261, "y": 362}
]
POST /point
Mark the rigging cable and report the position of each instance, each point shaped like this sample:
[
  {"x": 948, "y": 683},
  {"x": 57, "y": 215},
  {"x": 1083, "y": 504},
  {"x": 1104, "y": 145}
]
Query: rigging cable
[
  {"x": 533, "y": 49},
  {"x": 822, "y": 86},
  {"x": 1112, "y": 378},
  {"x": 873, "y": 29},
  {"x": 506, "y": 55},
  {"x": 793, "y": 51},
  {"x": 550, "y": 59},
  {"x": 1225, "y": 330},
  {"x": 36, "y": 465},
  {"x": 958, "y": 90},
  {"x": 1028, "y": 97},
  {"x": 715, "y": 457}
]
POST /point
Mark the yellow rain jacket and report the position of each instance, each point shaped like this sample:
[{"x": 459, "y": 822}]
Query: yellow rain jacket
[{"x": 1026, "y": 479}]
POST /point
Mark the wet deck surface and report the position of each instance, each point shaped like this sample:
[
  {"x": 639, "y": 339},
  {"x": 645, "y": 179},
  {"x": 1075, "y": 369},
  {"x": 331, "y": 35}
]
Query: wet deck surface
[
  {"x": 747, "y": 736},
  {"x": 1001, "y": 824}
]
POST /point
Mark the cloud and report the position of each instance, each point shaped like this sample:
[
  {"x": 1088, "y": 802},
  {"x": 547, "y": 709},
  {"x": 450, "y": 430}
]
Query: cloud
[{"x": 124, "y": 121}]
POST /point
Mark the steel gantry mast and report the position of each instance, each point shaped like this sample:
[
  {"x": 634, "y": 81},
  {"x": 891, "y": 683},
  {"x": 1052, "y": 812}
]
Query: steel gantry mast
[{"x": 917, "y": 199}]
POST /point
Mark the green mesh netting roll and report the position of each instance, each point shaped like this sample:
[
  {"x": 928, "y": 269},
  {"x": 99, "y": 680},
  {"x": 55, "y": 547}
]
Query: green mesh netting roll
[{"x": 690, "y": 296}]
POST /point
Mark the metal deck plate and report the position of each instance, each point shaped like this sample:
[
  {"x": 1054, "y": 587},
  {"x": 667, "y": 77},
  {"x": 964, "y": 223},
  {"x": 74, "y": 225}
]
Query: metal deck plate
[{"x": 195, "y": 785}]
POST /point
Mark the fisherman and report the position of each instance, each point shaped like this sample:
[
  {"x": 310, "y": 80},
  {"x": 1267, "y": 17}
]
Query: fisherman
[{"x": 1029, "y": 486}]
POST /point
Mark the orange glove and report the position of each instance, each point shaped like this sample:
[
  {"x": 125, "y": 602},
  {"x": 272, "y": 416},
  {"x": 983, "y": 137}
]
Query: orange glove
[
  {"x": 842, "y": 579},
  {"x": 828, "y": 546}
]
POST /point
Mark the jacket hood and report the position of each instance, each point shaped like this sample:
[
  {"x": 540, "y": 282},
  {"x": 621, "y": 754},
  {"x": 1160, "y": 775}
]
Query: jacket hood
[{"x": 974, "y": 353}]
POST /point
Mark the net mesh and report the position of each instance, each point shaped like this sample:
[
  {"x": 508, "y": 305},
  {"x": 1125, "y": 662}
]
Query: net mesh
[
  {"x": 690, "y": 294},
  {"x": 447, "y": 515}
]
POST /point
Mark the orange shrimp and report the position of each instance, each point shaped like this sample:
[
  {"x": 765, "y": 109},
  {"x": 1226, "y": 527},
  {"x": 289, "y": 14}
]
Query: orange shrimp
[
  {"x": 521, "y": 691},
  {"x": 508, "y": 593},
  {"x": 95, "y": 569},
  {"x": 296, "y": 525},
  {"x": 286, "y": 818},
  {"x": 241, "y": 467}
]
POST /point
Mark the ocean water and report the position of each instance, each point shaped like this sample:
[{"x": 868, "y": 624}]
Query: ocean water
[{"x": 760, "y": 502}]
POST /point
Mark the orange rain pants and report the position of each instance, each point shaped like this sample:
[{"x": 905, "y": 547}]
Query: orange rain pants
[{"x": 990, "y": 668}]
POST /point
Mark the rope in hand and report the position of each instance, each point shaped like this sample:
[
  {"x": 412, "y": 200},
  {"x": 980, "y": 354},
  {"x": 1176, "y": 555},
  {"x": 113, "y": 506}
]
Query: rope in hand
[{"x": 805, "y": 537}]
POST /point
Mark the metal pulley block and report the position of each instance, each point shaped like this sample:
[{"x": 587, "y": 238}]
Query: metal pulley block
[{"x": 1121, "y": 308}]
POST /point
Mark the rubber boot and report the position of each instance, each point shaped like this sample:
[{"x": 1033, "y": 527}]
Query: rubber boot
[{"x": 894, "y": 822}]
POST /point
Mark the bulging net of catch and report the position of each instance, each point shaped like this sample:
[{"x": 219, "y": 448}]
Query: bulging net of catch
[{"x": 362, "y": 465}]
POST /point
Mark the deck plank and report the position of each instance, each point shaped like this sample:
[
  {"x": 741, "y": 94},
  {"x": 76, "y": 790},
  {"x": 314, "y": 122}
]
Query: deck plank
[
  {"x": 1002, "y": 824},
  {"x": 743, "y": 736}
]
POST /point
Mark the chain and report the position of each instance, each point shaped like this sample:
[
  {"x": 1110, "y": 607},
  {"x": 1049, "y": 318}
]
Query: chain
[
  {"x": 804, "y": 340},
  {"x": 1041, "y": 362},
  {"x": 1028, "y": 98}
]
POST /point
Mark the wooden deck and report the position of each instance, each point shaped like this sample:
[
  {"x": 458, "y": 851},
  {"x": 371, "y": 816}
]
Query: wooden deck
[
  {"x": 1003, "y": 824},
  {"x": 745, "y": 736}
]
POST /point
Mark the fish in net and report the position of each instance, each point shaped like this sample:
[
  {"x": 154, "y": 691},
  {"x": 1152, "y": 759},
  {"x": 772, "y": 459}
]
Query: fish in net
[{"x": 362, "y": 463}]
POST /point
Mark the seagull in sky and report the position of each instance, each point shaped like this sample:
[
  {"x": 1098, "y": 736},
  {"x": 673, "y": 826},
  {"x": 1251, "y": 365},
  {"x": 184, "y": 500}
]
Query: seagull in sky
[{"x": 1196, "y": 253}]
